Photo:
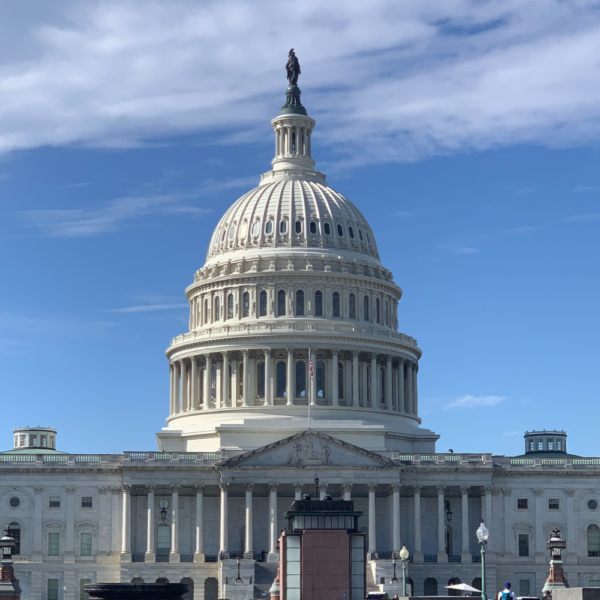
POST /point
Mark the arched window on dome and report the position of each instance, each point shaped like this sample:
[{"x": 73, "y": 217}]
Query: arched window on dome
[
  {"x": 360, "y": 235},
  {"x": 269, "y": 227},
  {"x": 260, "y": 379},
  {"x": 256, "y": 228},
  {"x": 340, "y": 231},
  {"x": 320, "y": 379},
  {"x": 377, "y": 311},
  {"x": 593, "y": 540},
  {"x": 300, "y": 379},
  {"x": 283, "y": 227},
  {"x": 262, "y": 305},
  {"x": 351, "y": 232},
  {"x": 313, "y": 227},
  {"x": 298, "y": 226},
  {"x": 280, "y": 373},
  {"x": 336, "y": 304},
  {"x": 366, "y": 308},
  {"x": 340, "y": 376},
  {"x": 352, "y": 306},
  {"x": 327, "y": 228},
  {"x": 281, "y": 303},
  {"x": 230, "y": 306},
  {"x": 245, "y": 305},
  {"x": 217, "y": 308},
  {"x": 299, "y": 303},
  {"x": 318, "y": 303}
]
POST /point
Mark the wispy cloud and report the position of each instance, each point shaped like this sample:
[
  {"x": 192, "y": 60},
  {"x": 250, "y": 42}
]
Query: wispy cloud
[
  {"x": 511, "y": 433},
  {"x": 585, "y": 218},
  {"x": 464, "y": 250},
  {"x": 149, "y": 308},
  {"x": 586, "y": 188},
  {"x": 73, "y": 186},
  {"x": 469, "y": 401},
  {"x": 521, "y": 230}
]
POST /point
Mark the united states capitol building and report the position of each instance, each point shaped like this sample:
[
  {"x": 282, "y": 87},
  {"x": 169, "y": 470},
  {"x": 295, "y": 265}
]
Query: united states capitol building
[{"x": 292, "y": 314}]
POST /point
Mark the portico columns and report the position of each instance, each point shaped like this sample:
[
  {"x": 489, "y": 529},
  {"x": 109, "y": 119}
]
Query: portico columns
[
  {"x": 225, "y": 380},
  {"x": 355, "y": 389},
  {"x": 373, "y": 382},
  {"x": 334, "y": 379},
  {"x": 126, "y": 524},
  {"x": 442, "y": 557},
  {"x": 401, "y": 401},
  {"x": 223, "y": 532},
  {"x": 248, "y": 542},
  {"x": 396, "y": 518},
  {"x": 245, "y": 390},
  {"x": 372, "y": 541},
  {"x": 418, "y": 555},
  {"x": 465, "y": 554},
  {"x": 206, "y": 387},
  {"x": 150, "y": 555},
  {"x": 347, "y": 491},
  {"x": 273, "y": 554},
  {"x": 199, "y": 553},
  {"x": 268, "y": 378},
  {"x": 388, "y": 383},
  {"x": 289, "y": 392},
  {"x": 174, "y": 555},
  {"x": 184, "y": 387},
  {"x": 297, "y": 491}
]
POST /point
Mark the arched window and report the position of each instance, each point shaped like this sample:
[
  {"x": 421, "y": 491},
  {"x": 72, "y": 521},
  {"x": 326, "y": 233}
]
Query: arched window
[
  {"x": 352, "y": 306},
  {"x": 260, "y": 379},
  {"x": 283, "y": 227},
  {"x": 269, "y": 227},
  {"x": 313, "y": 227},
  {"x": 377, "y": 310},
  {"x": 360, "y": 235},
  {"x": 211, "y": 588},
  {"x": 336, "y": 304},
  {"x": 230, "y": 306},
  {"x": 163, "y": 540},
  {"x": 454, "y": 581},
  {"x": 449, "y": 541},
  {"x": 281, "y": 379},
  {"x": 351, "y": 232},
  {"x": 262, "y": 304},
  {"x": 281, "y": 303},
  {"x": 366, "y": 308},
  {"x": 298, "y": 226},
  {"x": 340, "y": 231},
  {"x": 240, "y": 380},
  {"x": 430, "y": 587},
  {"x": 300, "y": 379},
  {"x": 213, "y": 383},
  {"x": 593, "y": 540},
  {"x": 255, "y": 227},
  {"x": 476, "y": 583},
  {"x": 327, "y": 229},
  {"x": 340, "y": 380},
  {"x": 217, "y": 308},
  {"x": 318, "y": 303},
  {"x": 299, "y": 303},
  {"x": 14, "y": 530},
  {"x": 189, "y": 595},
  {"x": 245, "y": 304},
  {"x": 320, "y": 380}
]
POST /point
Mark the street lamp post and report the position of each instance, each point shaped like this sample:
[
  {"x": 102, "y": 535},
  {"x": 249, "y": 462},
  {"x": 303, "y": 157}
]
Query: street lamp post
[
  {"x": 482, "y": 535},
  {"x": 404, "y": 554}
]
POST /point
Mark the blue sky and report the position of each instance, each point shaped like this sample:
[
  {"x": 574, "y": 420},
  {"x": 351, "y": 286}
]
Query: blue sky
[{"x": 466, "y": 131}]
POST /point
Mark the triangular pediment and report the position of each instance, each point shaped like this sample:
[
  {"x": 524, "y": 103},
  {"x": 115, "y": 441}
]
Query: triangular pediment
[{"x": 310, "y": 449}]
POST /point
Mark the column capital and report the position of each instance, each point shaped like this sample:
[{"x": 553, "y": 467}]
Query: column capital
[
  {"x": 175, "y": 488},
  {"x": 298, "y": 487},
  {"x": 395, "y": 487},
  {"x": 570, "y": 492},
  {"x": 464, "y": 489},
  {"x": 198, "y": 488},
  {"x": 248, "y": 487},
  {"x": 538, "y": 492},
  {"x": 347, "y": 487},
  {"x": 71, "y": 490},
  {"x": 126, "y": 489},
  {"x": 371, "y": 487},
  {"x": 488, "y": 490},
  {"x": 506, "y": 491},
  {"x": 245, "y": 352},
  {"x": 290, "y": 351},
  {"x": 441, "y": 489},
  {"x": 417, "y": 489},
  {"x": 355, "y": 353},
  {"x": 223, "y": 486},
  {"x": 39, "y": 490},
  {"x": 272, "y": 487},
  {"x": 150, "y": 489},
  {"x": 226, "y": 353}
]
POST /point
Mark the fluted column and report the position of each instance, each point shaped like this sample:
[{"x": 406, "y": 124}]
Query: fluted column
[
  {"x": 223, "y": 531},
  {"x": 388, "y": 383},
  {"x": 396, "y": 518},
  {"x": 184, "y": 386},
  {"x": 150, "y": 555},
  {"x": 245, "y": 390},
  {"x": 466, "y": 554},
  {"x": 273, "y": 554},
  {"x": 126, "y": 524},
  {"x": 322, "y": 490},
  {"x": 290, "y": 377},
  {"x": 335, "y": 393},
  {"x": 401, "y": 397},
  {"x": 248, "y": 542},
  {"x": 206, "y": 384},
  {"x": 372, "y": 541},
  {"x": 373, "y": 382},
  {"x": 355, "y": 389},
  {"x": 268, "y": 378},
  {"x": 174, "y": 556},
  {"x": 418, "y": 554},
  {"x": 347, "y": 491},
  {"x": 199, "y": 553},
  {"x": 409, "y": 388},
  {"x": 225, "y": 380},
  {"x": 415, "y": 406},
  {"x": 442, "y": 556},
  {"x": 312, "y": 383},
  {"x": 194, "y": 401}
]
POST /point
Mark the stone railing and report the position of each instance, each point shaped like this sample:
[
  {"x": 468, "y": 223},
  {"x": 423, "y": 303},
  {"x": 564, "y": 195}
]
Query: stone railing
[
  {"x": 442, "y": 459},
  {"x": 125, "y": 458},
  {"x": 546, "y": 462},
  {"x": 295, "y": 326}
]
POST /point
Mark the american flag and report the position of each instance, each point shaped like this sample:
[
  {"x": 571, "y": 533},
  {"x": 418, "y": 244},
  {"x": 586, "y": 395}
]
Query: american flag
[{"x": 310, "y": 368}]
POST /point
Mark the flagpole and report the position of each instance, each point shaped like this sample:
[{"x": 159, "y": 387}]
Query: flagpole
[{"x": 309, "y": 384}]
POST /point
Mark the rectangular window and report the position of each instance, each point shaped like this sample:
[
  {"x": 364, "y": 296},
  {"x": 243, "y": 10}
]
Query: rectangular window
[
  {"x": 52, "y": 589},
  {"x": 559, "y": 445},
  {"x": 523, "y": 544},
  {"x": 43, "y": 443},
  {"x": 54, "y": 502},
  {"x": 82, "y": 583},
  {"x": 522, "y": 503},
  {"x": 550, "y": 444},
  {"x": 540, "y": 445},
  {"x": 594, "y": 583},
  {"x": 33, "y": 440},
  {"x": 22, "y": 440},
  {"x": 87, "y": 502},
  {"x": 54, "y": 543},
  {"x": 553, "y": 504},
  {"x": 86, "y": 544},
  {"x": 524, "y": 587}
]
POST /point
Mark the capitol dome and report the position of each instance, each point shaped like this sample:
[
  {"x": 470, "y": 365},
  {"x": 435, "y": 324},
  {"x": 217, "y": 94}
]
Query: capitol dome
[{"x": 293, "y": 321}]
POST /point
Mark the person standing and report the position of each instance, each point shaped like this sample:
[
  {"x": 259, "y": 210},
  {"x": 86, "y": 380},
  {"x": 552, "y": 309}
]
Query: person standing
[{"x": 506, "y": 593}]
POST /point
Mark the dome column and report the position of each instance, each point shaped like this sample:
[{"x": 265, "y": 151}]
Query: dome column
[
  {"x": 206, "y": 383},
  {"x": 225, "y": 379},
  {"x": 245, "y": 390},
  {"x": 334, "y": 378},
  {"x": 184, "y": 386},
  {"x": 194, "y": 399},
  {"x": 373, "y": 382},
  {"x": 355, "y": 379},
  {"x": 176, "y": 399},
  {"x": 388, "y": 383},
  {"x": 401, "y": 400},
  {"x": 415, "y": 394},
  {"x": 290, "y": 377},
  {"x": 409, "y": 387},
  {"x": 268, "y": 378}
]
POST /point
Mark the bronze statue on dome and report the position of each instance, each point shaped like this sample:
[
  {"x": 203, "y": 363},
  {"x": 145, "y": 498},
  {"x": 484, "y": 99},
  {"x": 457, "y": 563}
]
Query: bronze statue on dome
[{"x": 293, "y": 68}]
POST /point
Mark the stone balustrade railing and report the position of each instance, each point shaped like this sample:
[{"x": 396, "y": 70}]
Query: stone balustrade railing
[{"x": 125, "y": 458}]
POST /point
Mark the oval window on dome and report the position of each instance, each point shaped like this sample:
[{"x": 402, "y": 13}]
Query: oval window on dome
[
  {"x": 340, "y": 231},
  {"x": 327, "y": 229},
  {"x": 243, "y": 230},
  {"x": 269, "y": 227},
  {"x": 231, "y": 232},
  {"x": 360, "y": 235},
  {"x": 298, "y": 226},
  {"x": 256, "y": 228},
  {"x": 283, "y": 227},
  {"x": 368, "y": 239},
  {"x": 351, "y": 232},
  {"x": 313, "y": 227}
]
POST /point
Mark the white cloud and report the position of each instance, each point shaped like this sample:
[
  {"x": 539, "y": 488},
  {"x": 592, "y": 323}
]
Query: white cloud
[
  {"x": 464, "y": 250},
  {"x": 584, "y": 218},
  {"x": 511, "y": 433},
  {"x": 469, "y": 401},
  {"x": 388, "y": 80}
]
